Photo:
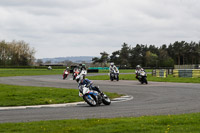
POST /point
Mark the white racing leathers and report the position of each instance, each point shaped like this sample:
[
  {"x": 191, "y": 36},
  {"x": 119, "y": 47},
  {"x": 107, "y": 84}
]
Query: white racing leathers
[{"x": 114, "y": 73}]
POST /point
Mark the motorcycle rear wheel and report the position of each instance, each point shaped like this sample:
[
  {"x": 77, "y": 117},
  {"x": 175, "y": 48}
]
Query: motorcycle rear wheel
[
  {"x": 145, "y": 80},
  {"x": 106, "y": 100}
]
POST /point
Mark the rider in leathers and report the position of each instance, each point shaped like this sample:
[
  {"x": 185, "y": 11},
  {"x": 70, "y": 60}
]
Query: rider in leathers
[
  {"x": 112, "y": 68},
  {"x": 83, "y": 81},
  {"x": 138, "y": 71}
]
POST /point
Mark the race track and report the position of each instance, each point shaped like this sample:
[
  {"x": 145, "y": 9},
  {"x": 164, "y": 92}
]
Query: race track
[{"x": 156, "y": 98}]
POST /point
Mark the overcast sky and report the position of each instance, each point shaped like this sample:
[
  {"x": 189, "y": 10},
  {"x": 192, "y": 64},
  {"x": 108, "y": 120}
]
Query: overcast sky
[{"x": 60, "y": 28}]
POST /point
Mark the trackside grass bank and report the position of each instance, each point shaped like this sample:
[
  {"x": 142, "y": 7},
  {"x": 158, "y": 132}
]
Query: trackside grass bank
[
  {"x": 31, "y": 71},
  {"x": 12, "y": 95},
  {"x": 28, "y": 72},
  {"x": 170, "y": 78},
  {"x": 124, "y": 71},
  {"x": 186, "y": 123}
]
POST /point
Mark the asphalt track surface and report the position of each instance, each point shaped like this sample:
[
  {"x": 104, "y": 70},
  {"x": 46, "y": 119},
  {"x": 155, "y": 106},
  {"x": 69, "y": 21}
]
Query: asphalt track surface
[{"x": 156, "y": 98}]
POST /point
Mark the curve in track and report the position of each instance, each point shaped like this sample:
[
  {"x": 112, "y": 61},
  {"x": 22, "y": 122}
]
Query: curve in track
[{"x": 156, "y": 98}]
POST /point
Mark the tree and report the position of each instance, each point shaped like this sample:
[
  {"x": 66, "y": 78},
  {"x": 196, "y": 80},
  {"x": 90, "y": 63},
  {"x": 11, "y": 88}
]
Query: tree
[
  {"x": 136, "y": 56},
  {"x": 95, "y": 60},
  {"x": 124, "y": 55},
  {"x": 179, "y": 51},
  {"x": 115, "y": 57},
  {"x": 164, "y": 59},
  {"x": 16, "y": 53},
  {"x": 104, "y": 58},
  {"x": 151, "y": 56},
  {"x": 3, "y": 53},
  {"x": 151, "y": 59}
]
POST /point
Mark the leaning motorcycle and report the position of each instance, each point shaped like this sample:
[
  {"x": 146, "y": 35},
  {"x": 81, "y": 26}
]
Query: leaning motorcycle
[
  {"x": 143, "y": 77},
  {"x": 75, "y": 74},
  {"x": 114, "y": 75},
  {"x": 92, "y": 97},
  {"x": 65, "y": 74}
]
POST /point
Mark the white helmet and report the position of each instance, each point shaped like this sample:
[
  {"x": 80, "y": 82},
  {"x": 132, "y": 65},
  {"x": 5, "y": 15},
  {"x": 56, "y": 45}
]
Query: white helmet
[
  {"x": 138, "y": 66},
  {"x": 112, "y": 64}
]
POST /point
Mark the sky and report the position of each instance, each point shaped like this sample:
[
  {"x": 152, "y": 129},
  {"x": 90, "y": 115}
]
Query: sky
[{"x": 60, "y": 28}]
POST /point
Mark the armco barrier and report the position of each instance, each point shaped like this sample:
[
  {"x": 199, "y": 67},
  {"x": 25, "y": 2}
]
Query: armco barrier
[
  {"x": 191, "y": 73},
  {"x": 98, "y": 68},
  {"x": 160, "y": 73},
  {"x": 93, "y": 70}
]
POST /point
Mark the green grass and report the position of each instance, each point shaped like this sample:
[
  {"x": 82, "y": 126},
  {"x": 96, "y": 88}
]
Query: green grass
[
  {"x": 124, "y": 71},
  {"x": 186, "y": 123},
  {"x": 28, "y": 72},
  {"x": 170, "y": 78},
  {"x": 12, "y": 95}
]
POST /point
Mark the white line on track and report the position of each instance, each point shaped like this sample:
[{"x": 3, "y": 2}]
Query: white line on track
[{"x": 120, "y": 99}]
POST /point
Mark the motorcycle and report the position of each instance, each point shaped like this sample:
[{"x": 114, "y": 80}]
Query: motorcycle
[
  {"x": 65, "y": 74},
  {"x": 75, "y": 74},
  {"x": 114, "y": 75},
  {"x": 92, "y": 97},
  {"x": 142, "y": 77}
]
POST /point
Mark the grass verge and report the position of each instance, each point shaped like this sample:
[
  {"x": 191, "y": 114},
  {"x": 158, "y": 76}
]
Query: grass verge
[
  {"x": 29, "y": 72},
  {"x": 12, "y": 95},
  {"x": 170, "y": 78},
  {"x": 124, "y": 71},
  {"x": 186, "y": 123}
]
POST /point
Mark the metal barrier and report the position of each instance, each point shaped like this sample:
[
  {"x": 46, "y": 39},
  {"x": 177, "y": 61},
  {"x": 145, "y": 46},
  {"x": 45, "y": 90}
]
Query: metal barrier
[{"x": 99, "y": 68}]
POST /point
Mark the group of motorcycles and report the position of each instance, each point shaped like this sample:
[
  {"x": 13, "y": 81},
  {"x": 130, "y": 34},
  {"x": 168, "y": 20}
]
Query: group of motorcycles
[
  {"x": 93, "y": 97},
  {"x": 142, "y": 76},
  {"x": 67, "y": 72}
]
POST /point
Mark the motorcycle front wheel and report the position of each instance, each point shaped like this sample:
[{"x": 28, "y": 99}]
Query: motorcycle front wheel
[
  {"x": 111, "y": 78},
  {"x": 145, "y": 80},
  {"x": 117, "y": 77},
  {"x": 65, "y": 76},
  {"x": 90, "y": 99}
]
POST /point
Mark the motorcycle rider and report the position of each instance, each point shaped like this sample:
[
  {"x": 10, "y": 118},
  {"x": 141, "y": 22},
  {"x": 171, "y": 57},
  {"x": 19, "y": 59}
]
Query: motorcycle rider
[
  {"x": 75, "y": 72},
  {"x": 82, "y": 67},
  {"x": 113, "y": 68},
  {"x": 138, "y": 70},
  {"x": 67, "y": 69},
  {"x": 75, "y": 69},
  {"x": 81, "y": 80}
]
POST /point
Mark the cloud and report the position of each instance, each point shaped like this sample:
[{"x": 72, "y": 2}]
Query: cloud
[{"x": 88, "y": 27}]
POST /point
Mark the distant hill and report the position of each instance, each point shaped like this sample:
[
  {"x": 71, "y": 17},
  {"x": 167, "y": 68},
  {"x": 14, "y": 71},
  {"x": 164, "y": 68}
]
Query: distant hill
[{"x": 75, "y": 59}]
